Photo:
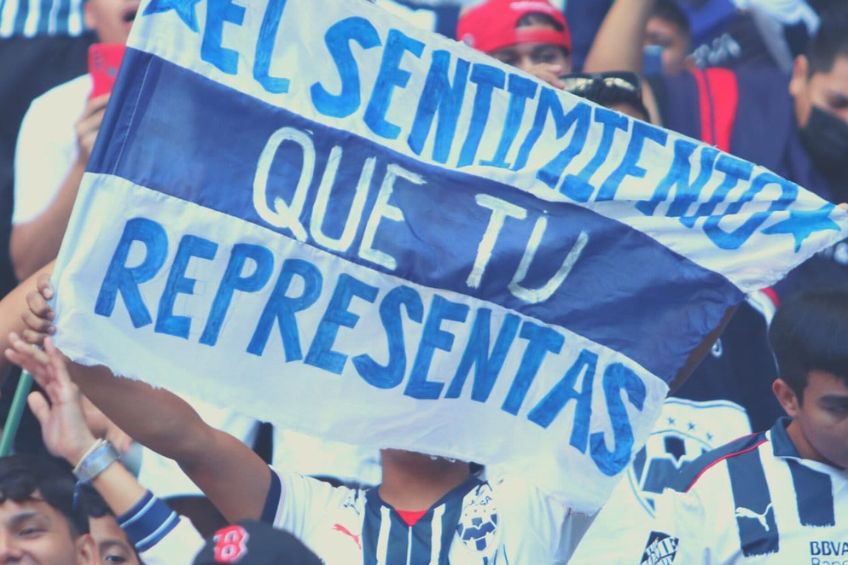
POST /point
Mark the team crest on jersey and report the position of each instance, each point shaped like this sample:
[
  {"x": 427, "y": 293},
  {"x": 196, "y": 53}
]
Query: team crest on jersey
[
  {"x": 685, "y": 430},
  {"x": 661, "y": 549},
  {"x": 478, "y": 523}
]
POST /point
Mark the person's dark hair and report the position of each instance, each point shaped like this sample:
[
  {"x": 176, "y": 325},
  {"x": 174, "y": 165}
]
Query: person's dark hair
[
  {"x": 92, "y": 504},
  {"x": 810, "y": 332},
  {"x": 669, "y": 11},
  {"x": 538, "y": 19},
  {"x": 830, "y": 41},
  {"x": 22, "y": 475}
]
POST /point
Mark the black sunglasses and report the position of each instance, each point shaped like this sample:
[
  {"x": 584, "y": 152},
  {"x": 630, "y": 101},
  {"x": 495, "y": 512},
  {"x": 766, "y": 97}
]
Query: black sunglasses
[{"x": 590, "y": 85}]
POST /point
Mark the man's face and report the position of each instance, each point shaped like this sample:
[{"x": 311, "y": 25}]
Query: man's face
[
  {"x": 828, "y": 91},
  {"x": 112, "y": 544},
  {"x": 674, "y": 43},
  {"x": 35, "y": 533},
  {"x": 823, "y": 416},
  {"x": 111, "y": 19},
  {"x": 526, "y": 56}
]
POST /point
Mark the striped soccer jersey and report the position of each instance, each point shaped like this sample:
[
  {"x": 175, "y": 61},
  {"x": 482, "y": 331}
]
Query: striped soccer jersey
[
  {"x": 754, "y": 500},
  {"x": 36, "y": 18},
  {"x": 476, "y": 523}
]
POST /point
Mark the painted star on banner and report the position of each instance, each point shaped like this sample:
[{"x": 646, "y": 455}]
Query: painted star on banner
[
  {"x": 185, "y": 10},
  {"x": 803, "y": 224}
]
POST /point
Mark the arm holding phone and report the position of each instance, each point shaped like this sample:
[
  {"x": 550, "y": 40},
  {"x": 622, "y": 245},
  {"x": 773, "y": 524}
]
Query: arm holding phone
[
  {"x": 52, "y": 155},
  {"x": 35, "y": 243}
]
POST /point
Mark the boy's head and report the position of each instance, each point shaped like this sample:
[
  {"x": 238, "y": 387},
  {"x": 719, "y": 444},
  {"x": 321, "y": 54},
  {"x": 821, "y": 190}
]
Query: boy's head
[
  {"x": 668, "y": 28},
  {"x": 38, "y": 522},
  {"x": 112, "y": 543},
  {"x": 521, "y": 33},
  {"x": 110, "y": 20},
  {"x": 809, "y": 336},
  {"x": 819, "y": 87}
]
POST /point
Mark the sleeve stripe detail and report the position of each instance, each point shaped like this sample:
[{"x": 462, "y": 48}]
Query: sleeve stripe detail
[
  {"x": 133, "y": 514},
  {"x": 272, "y": 502},
  {"x": 160, "y": 533},
  {"x": 148, "y": 522}
]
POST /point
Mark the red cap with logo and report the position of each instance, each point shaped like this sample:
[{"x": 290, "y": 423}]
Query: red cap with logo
[{"x": 492, "y": 25}]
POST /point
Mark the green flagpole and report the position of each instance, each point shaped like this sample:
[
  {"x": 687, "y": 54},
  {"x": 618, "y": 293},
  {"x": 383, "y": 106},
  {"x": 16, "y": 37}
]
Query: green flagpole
[{"x": 13, "y": 421}]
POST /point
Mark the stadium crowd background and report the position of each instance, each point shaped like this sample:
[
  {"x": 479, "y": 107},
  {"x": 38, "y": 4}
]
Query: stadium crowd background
[{"x": 766, "y": 80}]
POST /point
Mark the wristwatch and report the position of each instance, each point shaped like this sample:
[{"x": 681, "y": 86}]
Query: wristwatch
[{"x": 99, "y": 457}]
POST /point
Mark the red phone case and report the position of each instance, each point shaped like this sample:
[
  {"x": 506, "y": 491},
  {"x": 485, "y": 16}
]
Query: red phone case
[{"x": 104, "y": 60}]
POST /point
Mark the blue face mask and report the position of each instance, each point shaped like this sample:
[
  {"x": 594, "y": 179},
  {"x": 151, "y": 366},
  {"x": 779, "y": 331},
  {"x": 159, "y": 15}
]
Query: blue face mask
[
  {"x": 825, "y": 138},
  {"x": 652, "y": 60}
]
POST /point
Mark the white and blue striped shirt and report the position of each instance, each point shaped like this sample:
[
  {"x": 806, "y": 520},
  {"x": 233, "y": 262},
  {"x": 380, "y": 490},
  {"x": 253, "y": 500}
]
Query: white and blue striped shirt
[
  {"x": 753, "y": 501},
  {"x": 478, "y": 523},
  {"x": 35, "y": 18}
]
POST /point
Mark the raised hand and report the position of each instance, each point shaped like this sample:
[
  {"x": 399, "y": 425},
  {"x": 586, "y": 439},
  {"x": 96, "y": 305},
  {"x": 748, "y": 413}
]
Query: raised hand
[{"x": 59, "y": 409}]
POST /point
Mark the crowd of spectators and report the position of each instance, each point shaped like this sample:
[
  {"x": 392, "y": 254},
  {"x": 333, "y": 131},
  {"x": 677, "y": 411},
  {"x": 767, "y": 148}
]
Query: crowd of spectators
[{"x": 762, "y": 80}]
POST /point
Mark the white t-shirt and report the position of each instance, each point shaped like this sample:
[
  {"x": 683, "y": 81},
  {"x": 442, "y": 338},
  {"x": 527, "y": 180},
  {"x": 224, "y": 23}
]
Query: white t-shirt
[
  {"x": 47, "y": 147},
  {"x": 754, "y": 501},
  {"x": 477, "y": 523}
]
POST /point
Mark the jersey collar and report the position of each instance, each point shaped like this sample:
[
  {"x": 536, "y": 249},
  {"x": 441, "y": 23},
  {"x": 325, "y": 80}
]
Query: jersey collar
[
  {"x": 781, "y": 443},
  {"x": 456, "y": 494}
]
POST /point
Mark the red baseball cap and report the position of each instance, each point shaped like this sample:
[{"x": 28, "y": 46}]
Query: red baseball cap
[{"x": 492, "y": 25}]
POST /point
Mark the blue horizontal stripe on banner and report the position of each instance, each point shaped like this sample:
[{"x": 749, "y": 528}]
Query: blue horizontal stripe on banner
[{"x": 182, "y": 134}]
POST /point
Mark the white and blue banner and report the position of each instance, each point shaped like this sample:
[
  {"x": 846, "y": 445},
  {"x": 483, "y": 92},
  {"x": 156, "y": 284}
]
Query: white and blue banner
[{"x": 314, "y": 212}]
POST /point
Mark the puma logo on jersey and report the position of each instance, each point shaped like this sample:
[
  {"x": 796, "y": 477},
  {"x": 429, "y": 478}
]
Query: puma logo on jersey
[
  {"x": 345, "y": 531},
  {"x": 742, "y": 512}
]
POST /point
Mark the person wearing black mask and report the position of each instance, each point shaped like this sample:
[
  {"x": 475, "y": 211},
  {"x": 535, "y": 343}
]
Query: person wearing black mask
[{"x": 819, "y": 88}]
